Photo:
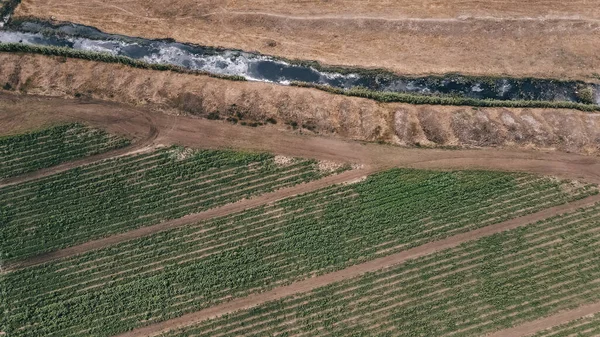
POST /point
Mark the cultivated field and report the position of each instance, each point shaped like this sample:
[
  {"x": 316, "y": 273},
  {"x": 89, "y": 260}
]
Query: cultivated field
[
  {"x": 196, "y": 266},
  {"x": 230, "y": 242},
  {"x": 124, "y": 193},
  {"x": 33, "y": 151},
  {"x": 471, "y": 290},
  {"x": 532, "y": 38}
]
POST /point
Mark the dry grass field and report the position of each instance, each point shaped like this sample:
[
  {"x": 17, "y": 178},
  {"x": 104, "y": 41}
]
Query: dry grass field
[{"x": 513, "y": 38}]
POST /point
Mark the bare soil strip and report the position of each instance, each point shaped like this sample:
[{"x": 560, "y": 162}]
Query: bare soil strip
[
  {"x": 192, "y": 218},
  {"x": 530, "y": 328},
  {"x": 354, "y": 271},
  {"x": 22, "y": 113}
]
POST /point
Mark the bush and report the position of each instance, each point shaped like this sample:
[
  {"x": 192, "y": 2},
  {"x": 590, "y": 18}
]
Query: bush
[
  {"x": 213, "y": 116},
  {"x": 585, "y": 95}
]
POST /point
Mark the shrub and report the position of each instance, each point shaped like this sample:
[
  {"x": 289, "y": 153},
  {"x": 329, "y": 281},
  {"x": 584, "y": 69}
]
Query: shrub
[{"x": 585, "y": 95}]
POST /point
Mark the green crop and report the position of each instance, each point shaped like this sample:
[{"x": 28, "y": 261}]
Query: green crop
[
  {"x": 479, "y": 287},
  {"x": 40, "y": 149},
  {"x": 181, "y": 270},
  {"x": 121, "y": 194}
]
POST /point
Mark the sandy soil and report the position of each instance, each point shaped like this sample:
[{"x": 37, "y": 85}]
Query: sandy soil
[
  {"x": 357, "y": 270},
  {"x": 514, "y": 38},
  {"x": 327, "y": 114}
]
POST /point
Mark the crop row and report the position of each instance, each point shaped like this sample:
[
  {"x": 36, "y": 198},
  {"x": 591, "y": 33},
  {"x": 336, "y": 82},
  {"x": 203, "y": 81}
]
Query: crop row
[
  {"x": 126, "y": 193},
  {"x": 479, "y": 287},
  {"x": 184, "y": 269},
  {"x": 40, "y": 149},
  {"x": 588, "y": 326}
]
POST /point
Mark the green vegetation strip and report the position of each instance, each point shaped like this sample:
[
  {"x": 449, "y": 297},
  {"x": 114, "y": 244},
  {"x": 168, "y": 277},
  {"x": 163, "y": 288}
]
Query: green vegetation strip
[
  {"x": 388, "y": 97},
  {"x": 585, "y": 327},
  {"x": 129, "y": 192},
  {"x": 356, "y": 92},
  {"x": 168, "y": 274},
  {"x": 479, "y": 287},
  {"x": 41, "y": 149},
  {"x": 106, "y": 57}
]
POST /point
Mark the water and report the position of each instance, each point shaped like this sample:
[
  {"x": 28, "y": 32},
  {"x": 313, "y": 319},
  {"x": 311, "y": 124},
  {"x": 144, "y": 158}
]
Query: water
[{"x": 256, "y": 67}]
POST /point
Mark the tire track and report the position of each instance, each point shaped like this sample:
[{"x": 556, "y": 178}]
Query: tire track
[
  {"x": 563, "y": 317},
  {"x": 137, "y": 147}
]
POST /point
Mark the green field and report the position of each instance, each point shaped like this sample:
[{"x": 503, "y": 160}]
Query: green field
[
  {"x": 33, "y": 151},
  {"x": 167, "y": 274},
  {"x": 584, "y": 327},
  {"x": 479, "y": 287},
  {"x": 121, "y": 194}
]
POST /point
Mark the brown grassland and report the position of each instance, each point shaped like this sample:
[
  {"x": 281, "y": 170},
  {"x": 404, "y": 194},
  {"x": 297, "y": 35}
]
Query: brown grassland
[{"x": 513, "y": 38}]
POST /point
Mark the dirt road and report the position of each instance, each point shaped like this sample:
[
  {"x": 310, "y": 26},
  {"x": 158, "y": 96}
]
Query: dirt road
[
  {"x": 21, "y": 113},
  {"x": 563, "y": 317}
]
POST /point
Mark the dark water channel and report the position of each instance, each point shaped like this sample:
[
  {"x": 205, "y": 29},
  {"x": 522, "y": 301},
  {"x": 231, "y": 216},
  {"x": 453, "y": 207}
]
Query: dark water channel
[{"x": 256, "y": 67}]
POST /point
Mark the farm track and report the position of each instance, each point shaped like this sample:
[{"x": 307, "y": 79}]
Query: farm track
[
  {"x": 346, "y": 17},
  {"x": 530, "y": 328},
  {"x": 157, "y": 129},
  {"x": 136, "y": 147},
  {"x": 354, "y": 271},
  {"x": 20, "y": 113},
  {"x": 192, "y": 218}
]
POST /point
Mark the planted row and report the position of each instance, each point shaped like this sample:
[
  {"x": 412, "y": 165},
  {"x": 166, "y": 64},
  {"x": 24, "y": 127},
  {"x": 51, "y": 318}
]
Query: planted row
[
  {"x": 477, "y": 288},
  {"x": 135, "y": 191},
  {"x": 45, "y": 148},
  {"x": 165, "y": 275}
]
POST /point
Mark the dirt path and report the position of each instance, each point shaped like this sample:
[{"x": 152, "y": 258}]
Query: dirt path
[
  {"x": 349, "y": 17},
  {"x": 563, "y": 317},
  {"x": 192, "y": 218},
  {"x": 20, "y": 113},
  {"x": 136, "y": 147},
  {"x": 354, "y": 271}
]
